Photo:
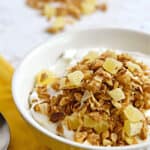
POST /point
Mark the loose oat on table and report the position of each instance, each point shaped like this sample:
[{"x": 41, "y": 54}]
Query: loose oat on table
[
  {"x": 68, "y": 10},
  {"x": 102, "y": 99}
]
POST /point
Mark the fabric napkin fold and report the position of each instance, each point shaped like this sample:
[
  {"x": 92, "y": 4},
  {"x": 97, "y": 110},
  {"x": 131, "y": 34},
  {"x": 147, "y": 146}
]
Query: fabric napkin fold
[{"x": 22, "y": 137}]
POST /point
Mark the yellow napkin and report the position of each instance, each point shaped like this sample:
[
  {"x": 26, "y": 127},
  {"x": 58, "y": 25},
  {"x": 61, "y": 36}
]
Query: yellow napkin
[{"x": 22, "y": 137}]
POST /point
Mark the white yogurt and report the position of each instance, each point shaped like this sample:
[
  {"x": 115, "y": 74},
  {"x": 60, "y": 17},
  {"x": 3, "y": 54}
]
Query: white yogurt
[{"x": 33, "y": 97}]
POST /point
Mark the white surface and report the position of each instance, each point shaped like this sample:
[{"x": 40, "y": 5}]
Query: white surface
[
  {"x": 42, "y": 57},
  {"x": 22, "y": 28}
]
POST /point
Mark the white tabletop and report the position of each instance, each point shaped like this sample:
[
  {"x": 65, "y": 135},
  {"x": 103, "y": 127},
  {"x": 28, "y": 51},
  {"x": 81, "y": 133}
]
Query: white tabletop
[{"x": 22, "y": 28}]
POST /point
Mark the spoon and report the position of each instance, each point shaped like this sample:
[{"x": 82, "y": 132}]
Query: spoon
[{"x": 4, "y": 133}]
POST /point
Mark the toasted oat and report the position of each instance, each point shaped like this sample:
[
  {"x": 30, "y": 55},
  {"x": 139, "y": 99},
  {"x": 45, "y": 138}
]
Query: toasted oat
[
  {"x": 94, "y": 139},
  {"x": 57, "y": 116},
  {"x": 144, "y": 131},
  {"x": 80, "y": 136},
  {"x": 148, "y": 120},
  {"x": 114, "y": 137},
  {"x": 60, "y": 129},
  {"x": 102, "y": 7}
]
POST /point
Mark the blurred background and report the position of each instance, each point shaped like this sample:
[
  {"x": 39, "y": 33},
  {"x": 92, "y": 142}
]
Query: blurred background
[{"x": 22, "y": 27}]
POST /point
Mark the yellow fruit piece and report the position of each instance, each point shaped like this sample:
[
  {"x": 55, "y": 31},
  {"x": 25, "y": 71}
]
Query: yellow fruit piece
[
  {"x": 133, "y": 114},
  {"x": 45, "y": 77},
  {"x": 130, "y": 140},
  {"x": 98, "y": 126},
  {"x": 117, "y": 94},
  {"x": 49, "y": 11},
  {"x": 92, "y": 2},
  {"x": 65, "y": 84},
  {"x": 57, "y": 25},
  {"x": 73, "y": 121},
  {"x": 133, "y": 67},
  {"x": 107, "y": 142},
  {"x": 112, "y": 65},
  {"x": 88, "y": 122},
  {"x": 75, "y": 78},
  {"x": 88, "y": 6},
  {"x": 91, "y": 56},
  {"x": 101, "y": 126},
  {"x": 132, "y": 129}
]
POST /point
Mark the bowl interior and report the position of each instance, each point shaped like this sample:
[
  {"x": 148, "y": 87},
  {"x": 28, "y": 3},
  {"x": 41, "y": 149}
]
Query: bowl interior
[{"x": 45, "y": 55}]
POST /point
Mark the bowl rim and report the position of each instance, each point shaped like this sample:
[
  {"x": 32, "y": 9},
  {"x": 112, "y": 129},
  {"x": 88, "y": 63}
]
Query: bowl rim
[{"x": 42, "y": 129}]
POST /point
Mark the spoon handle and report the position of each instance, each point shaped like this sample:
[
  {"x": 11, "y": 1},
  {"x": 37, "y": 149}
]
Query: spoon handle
[{"x": 4, "y": 133}]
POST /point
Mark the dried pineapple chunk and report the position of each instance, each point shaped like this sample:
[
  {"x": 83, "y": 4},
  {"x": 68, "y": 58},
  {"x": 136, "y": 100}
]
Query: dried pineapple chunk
[
  {"x": 101, "y": 126},
  {"x": 94, "y": 2},
  {"x": 88, "y": 6},
  {"x": 45, "y": 77},
  {"x": 133, "y": 67},
  {"x": 133, "y": 114},
  {"x": 57, "y": 25},
  {"x": 73, "y": 81},
  {"x": 97, "y": 126},
  {"x": 117, "y": 94},
  {"x": 49, "y": 11},
  {"x": 112, "y": 65},
  {"x": 91, "y": 56},
  {"x": 132, "y": 129},
  {"x": 107, "y": 142},
  {"x": 73, "y": 121},
  {"x": 130, "y": 140},
  {"x": 75, "y": 78},
  {"x": 88, "y": 122}
]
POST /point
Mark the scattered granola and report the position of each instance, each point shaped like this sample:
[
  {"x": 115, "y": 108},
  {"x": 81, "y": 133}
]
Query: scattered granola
[
  {"x": 60, "y": 10},
  {"x": 102, "y": 99}
]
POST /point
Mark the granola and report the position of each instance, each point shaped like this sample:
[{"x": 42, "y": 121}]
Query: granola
[
  {"x": 63, "y": 12},
  {"x": 102, "y": 99}
]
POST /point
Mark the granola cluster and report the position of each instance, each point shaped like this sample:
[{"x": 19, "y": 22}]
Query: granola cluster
[
  {"x": 64, "y": 12},
  {"x": 103, "y": 99}
]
